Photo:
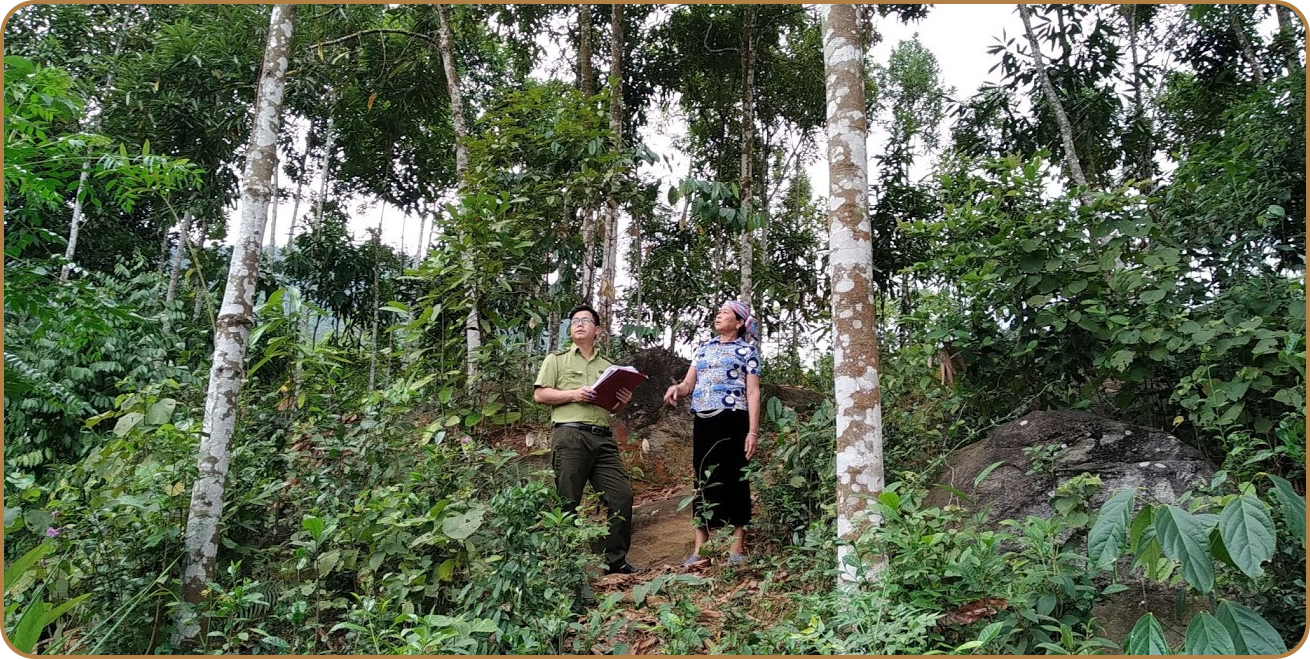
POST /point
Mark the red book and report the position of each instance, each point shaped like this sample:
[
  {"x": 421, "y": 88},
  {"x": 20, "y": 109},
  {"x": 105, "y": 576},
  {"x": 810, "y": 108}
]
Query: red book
[{"x": 611, "y": 381}]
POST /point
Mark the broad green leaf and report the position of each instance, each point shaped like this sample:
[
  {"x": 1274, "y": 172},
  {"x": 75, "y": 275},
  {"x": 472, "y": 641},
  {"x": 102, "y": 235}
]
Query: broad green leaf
[
  {"x": 1183, "y": 538},
  {"x": 161, "y": 412},
  {"x": 314, "y": 525},
  {"x": 1206, "y": 635},
  {"x": 482, "y": 626},
  {"x": 1293, "y": 506},
  {"x": 28, "y": 630},
  {"x": 127, "y": 422},
  {"x": 462, "y": 525},
  {"x": 1147, "y": 637},
  {"x": 37, "y": 521},
  {"x": 327, "y": 562},
  {"x": 1248, "y": 534},
  {"x": 1109, "y": 535},
  {"x": 1250, "y": 633},
  {"x": 1142, "y": 530},
  {"x": 16, "y": 569}
]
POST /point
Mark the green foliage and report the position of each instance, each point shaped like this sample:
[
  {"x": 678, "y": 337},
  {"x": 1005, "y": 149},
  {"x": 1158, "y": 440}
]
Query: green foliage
[
  {"x": 1055, "y": 300},
  {"x": 1241, "y": 536},
  {"x": 796, "y": 487},
  {"x": 70, "y": 346}
]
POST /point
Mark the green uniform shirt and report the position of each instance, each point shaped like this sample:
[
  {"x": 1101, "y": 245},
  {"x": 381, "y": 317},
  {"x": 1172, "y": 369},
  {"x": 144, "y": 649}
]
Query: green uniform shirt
[{"x": 568, "y": 369}]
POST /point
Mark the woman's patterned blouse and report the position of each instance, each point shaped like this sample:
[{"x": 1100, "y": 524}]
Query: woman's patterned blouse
[{"x": 721, "y": 370}]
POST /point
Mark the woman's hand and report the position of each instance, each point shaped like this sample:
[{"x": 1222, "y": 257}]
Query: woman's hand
[
  {"x": 671, "y": 395},
  {"x": 752, "y": 439},
  {"x": 582, "y": 395}
]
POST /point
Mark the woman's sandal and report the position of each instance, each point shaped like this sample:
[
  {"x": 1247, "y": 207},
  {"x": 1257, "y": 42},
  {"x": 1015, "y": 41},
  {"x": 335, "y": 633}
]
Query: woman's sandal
[
  {"x": 734, "y": 559},
  {"x": 695, "y": 560}
]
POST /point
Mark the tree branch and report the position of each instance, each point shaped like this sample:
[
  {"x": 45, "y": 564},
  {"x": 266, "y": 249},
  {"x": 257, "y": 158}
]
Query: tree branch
[{"x": 362, "y": 33}]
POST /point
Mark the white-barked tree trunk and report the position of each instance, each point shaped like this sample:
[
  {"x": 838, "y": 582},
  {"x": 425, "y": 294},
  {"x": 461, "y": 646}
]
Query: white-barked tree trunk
[
  {"x": 855, "y": 341},
  {"x": 233, "y": 327}
]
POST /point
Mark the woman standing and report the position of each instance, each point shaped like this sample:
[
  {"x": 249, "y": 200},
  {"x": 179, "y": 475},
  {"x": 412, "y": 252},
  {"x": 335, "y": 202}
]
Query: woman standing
[{"x": 724, "y": 384}]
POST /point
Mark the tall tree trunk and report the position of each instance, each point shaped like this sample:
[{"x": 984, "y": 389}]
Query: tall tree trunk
[
  {"x": 456, "y": 96},
  {"x": 635, "y": 259},
  {"x": 272, "y": 208},
  {"x": 747, "y": 144},
  {"x": 233, "y": 329},
  {"x": 855, "y": 343},
  {"x": 175, "y": 271},
  {"x": 1145, "y": 170},
  {"x": 79, "y": 214},
  {"x": 295, "y": 206},
  {"x": 586, "y": 78},
  {"x": 472, "y": 323},
  {"x": 1248, "y": 53},
  {"x": 1057, "y": 108},
  {"x": 611, "y": 241},
  {"x": 75, "y": 225},
  {"x": 587, "y": 282},
  {"x": 1287, "y": 33},
  {"x": 327, "y": 169}
]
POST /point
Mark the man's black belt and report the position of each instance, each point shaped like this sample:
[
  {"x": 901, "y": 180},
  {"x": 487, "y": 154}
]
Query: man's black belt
[{"x": 603, "y": 431}]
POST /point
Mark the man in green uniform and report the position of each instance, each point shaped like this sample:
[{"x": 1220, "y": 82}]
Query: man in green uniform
[{"x": 582, "y": 445}]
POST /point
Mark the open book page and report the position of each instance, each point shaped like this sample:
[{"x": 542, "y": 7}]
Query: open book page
[
  {"x": 609, "y": 372},
  {"x": 611, "y": 381}
]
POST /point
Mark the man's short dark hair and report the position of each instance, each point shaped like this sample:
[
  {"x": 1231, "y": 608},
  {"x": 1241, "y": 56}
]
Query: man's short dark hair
[{"x": 583, "y": 307}]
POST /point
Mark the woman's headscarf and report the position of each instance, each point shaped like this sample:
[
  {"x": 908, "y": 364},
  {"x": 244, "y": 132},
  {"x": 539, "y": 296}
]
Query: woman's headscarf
[{"x": 743, "y": 312}]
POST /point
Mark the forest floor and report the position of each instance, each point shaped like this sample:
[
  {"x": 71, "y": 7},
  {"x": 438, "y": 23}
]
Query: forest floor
[{"x": 662, "y": 539}]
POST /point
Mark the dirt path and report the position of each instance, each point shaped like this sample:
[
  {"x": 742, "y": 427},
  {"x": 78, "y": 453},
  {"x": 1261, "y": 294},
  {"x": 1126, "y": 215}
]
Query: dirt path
[{"x": 661, "y": 534}]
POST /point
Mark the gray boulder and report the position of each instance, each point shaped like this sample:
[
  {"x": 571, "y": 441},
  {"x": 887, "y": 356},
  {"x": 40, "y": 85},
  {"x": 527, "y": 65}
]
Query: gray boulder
[{"x": 1124, "y": 456}]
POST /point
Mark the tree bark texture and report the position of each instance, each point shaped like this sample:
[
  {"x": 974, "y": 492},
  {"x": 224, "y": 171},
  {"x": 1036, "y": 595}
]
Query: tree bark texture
[
  {"x": 1057, "y": 108},
  {"x": 855, "y": 344},
  {"x": 747, "y": 143},
  {"x": 586, "y": 78},
  {"x": 609, "y": 260},
  {"x": 472, "y": 322},
  {"x": 233, "y": 326},
  {"x": 1248, "y": 53},
  {"x": 175, "y": 271}
]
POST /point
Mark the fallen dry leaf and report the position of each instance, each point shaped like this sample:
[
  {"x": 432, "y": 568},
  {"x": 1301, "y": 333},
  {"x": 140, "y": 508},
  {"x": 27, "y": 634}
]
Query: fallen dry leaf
[{"x": 974, "y": 611}]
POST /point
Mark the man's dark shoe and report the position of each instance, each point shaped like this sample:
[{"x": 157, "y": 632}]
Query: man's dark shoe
[{"x": 622, "y": 568}]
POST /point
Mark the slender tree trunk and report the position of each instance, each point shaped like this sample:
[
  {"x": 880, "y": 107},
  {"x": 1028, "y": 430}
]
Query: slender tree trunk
[
  {"x": 175, "y": 271},
  {"x": 272, "y": 210},
  {"x": 377, "y": 302},
  {"x": 456, "y": 97},
  {"x": 1287, "y": 33},
  {"x": 610, "y": 257},
  {"x": 75, "y": 225},
  {"x": 586, "y": 78},
  {"x": 635, "y": 259},
  {"x": 295, "y": 206},
  {"x": 855, "y": 344},
  {"x": 233, "y": 329},
  {"x": 747, "y": 144},
  {"x": 327, "y": 169},
  {"x": 1248, "y": 53},
  {"x": 587, "y": 284},
  {"x": 79, "y": 214},
  {"x": 472, "y": 323},
  {"x": 1057, "y": 108},
  {"x": 1145, "y": 170}
]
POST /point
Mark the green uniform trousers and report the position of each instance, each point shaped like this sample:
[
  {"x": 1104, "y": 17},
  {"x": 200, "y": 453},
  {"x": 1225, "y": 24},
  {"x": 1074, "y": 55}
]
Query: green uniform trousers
[{"x": 580, "y": 457}]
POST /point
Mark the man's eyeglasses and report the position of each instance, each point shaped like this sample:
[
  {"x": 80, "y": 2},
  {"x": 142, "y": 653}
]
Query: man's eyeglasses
[{"x": 581, "y": 321}]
